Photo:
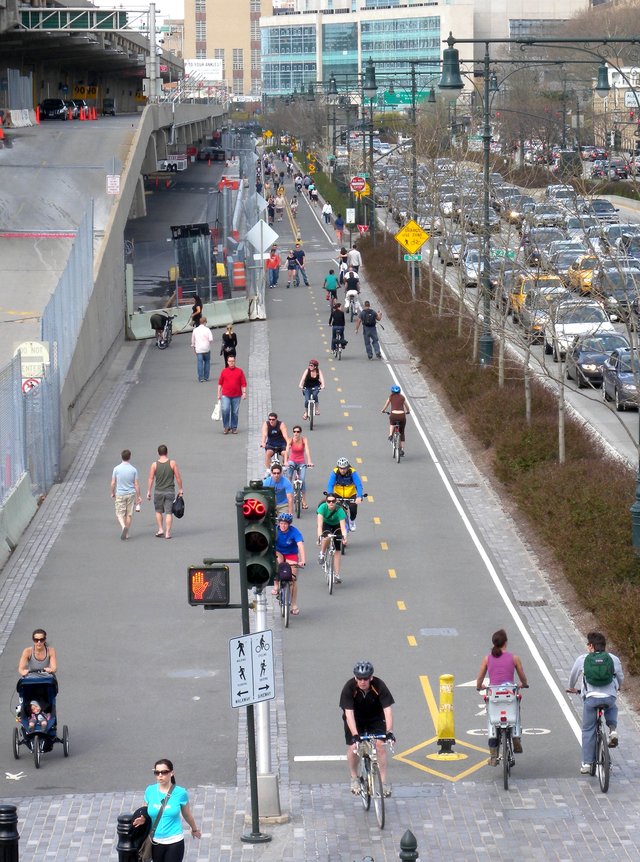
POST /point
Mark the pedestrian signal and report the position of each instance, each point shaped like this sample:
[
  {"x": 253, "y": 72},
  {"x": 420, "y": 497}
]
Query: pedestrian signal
[
  {"x": 208, "y": 585},
  {"x": 259, "y": 534}
]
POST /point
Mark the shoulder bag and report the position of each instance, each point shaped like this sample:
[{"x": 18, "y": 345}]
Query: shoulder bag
[{"x": 145, "y": 852}]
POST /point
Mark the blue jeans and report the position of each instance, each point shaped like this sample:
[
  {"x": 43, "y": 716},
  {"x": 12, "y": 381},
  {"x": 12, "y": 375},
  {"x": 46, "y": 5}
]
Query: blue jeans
[
  {"x": 291, "y": 472},
  {"x": 204, "y": 365},
  {"x": 229, "y": 408},
  {"x": 274, "y": 275},
  {"x": 589, "y": 719},
  {"x": 308, "y": 391},
  {"x": 371, "y": 342}
]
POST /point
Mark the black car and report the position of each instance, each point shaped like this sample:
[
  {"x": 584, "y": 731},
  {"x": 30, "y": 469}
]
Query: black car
[
  {"x": 589, "y": 353},
  {"x": 54, "y": 109},
  {"x": 619, "y": 288},
  {"x": 214, "y": 154},
  {"x": 620, "y": 378}
]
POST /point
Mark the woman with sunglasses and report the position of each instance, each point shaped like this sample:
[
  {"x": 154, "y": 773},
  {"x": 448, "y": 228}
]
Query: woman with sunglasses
[
  {"x": 298, "y": 458},
  {"x": 39, "y": 657},
  {"x": 311, "y": 382},
  {"x": 167, "y": 841}
]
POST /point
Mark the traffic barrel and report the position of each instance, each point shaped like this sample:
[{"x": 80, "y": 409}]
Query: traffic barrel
[
  {"x": 38, "y": 115},
  {"x": 1, "y": 133},
  {"x": 239, "y": 275},
  {"x": 446, "y": 725}
]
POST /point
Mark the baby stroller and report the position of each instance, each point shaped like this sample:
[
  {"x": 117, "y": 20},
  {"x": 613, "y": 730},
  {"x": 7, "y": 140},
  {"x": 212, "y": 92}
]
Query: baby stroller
[{"x": 39, "y": 739}]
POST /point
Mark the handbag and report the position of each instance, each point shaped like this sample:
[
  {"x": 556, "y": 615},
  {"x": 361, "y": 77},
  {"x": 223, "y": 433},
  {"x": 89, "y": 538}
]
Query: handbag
[
  {"x": 177, "y": 507},
  {"x": 216, "y": 412},
  {"x": 145, "y": 852}
]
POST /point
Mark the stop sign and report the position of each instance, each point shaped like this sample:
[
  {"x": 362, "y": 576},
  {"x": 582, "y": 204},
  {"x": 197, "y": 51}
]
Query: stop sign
[{"x": 358, "y": 184}]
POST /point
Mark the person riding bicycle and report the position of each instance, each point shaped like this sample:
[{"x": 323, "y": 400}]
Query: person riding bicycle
[
  {"x": 501, "y": 667},
  {"x": 275, "y": 438},
  {"x": 282, "y": 486},
  {"x": 345, "y": 483},
  {"x": 311, "y": 382},
  {"x": 351, "y": 280},
  {"x": 330, "y": 284},
  {"x": 337, "y": 323},
  {"x": 602, "y": 676},
  {"x": 366, "y": 705},
  {"x": 290, "y": 549},
  {"x": 398, "y": 412},
  {"x": 331, "y": 519},
  {"x": 297, "y": 458}
]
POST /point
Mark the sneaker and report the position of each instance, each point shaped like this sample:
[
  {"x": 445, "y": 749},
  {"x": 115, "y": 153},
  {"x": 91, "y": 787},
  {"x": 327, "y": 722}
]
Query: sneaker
[
  {"x": 321, "y": 559},
  {"x": 337, "y": 579},
  {"x": 613, "y": 739},
  {"x": 390, "y": 438},
  {"x": 517, "y": 745},
  {"x": 386, "y": 790},
  {"x": 493, "y": 757},
  {"x": 352, "y": 526},
  {"x": 355, "y": 786},
  {"x": 585, "y": 769},
  {"x": 402, "y": 453}
]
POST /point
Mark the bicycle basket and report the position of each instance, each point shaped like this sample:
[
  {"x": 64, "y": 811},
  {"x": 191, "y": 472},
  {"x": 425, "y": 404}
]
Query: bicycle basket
[{"x": 502, "y": 705}]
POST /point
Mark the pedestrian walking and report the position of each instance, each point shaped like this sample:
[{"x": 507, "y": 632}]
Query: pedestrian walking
[
  {"x": 165, "y": 803},
  {"x": 229, "y": 344},
  {"x": 354, "y": 258},
  {"x": 298, "y": 254},
  {"x": 166, "y": 475},
  {"x": 232, "y": 389},
  {"x": 368, "y": 318},
  {"x": 201, "y": 339},
  {"x": 338, "y": 226},
  {"x": 327, "y": 212},
  {"x": 125, "y": 490},
  {"x": 273, "y": 266},
  {"x": 271, "y": 210},
  {"x": 280, "y": 204}
]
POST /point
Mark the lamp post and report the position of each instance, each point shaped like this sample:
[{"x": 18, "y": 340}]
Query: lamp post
[{"x": 369, "y": 91}]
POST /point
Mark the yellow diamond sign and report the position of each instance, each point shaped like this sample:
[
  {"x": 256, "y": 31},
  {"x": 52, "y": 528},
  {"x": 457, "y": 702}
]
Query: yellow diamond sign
[{"x": 412, "y": 237}]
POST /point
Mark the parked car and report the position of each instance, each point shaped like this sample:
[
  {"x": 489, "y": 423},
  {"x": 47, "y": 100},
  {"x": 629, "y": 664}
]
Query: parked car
[
  {"x": 620, "y": 378},
  {"x": 81, "y": 105},
  {"x": 54, "y": 109},
  {"x": 588, "y": 354},
  {"x": 73, "y": 111},
  {"x": 571, "y": 318},
  {"x": 215, "y": 154}
]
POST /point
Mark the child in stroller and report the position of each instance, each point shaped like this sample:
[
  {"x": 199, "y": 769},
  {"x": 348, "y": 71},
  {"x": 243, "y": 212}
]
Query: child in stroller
[{"x": 37, "y": 716}]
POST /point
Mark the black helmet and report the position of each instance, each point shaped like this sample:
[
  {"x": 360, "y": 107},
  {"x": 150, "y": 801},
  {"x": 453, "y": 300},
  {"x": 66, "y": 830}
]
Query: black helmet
[{"x": 363, "y": 670}]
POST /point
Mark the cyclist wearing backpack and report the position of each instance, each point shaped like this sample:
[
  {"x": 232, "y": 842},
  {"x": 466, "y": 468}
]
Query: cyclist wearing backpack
[
  {"x": 602, "y": 676},
  {"x": 368, "y": 318}
]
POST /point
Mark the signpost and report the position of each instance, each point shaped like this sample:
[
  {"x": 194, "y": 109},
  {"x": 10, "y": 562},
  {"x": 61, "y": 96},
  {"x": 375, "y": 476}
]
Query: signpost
[
  {"x": 412, "y": 237},
  {"x": 251, "y": 671}
]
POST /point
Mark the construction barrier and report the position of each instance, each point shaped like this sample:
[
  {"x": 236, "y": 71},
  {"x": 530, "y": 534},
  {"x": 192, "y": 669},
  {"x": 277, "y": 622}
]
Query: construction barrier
[
  {"x": 238, "y": 276},
  {"x": 16, "y": 513},
  {"x": 218, "y": 314}
]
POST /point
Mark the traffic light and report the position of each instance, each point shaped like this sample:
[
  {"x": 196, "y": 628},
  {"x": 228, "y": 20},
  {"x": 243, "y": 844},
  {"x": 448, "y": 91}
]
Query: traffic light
[
  {"x": 259, "y": 534},
  {"x": 617, "y": 139},
  {"x": 208, "y": 585}
]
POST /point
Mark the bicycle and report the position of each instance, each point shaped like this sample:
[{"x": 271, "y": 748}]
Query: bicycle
[
  {"x": 395, "y": 440},
  {"x": 164, "y": 339},
  {"x": 293, "y": 472},
  {"x": 285, "y": 596},
  {"x": 344, "y": 502},
  {"x": 369, "y": 774},
  {"x": 337, "y": 350},
  {"x": 352, "y": 303},
  {"x": 329, "y": 558},
  {"x": 503, "y": 707},
  {"x": 602, "y": 764}
]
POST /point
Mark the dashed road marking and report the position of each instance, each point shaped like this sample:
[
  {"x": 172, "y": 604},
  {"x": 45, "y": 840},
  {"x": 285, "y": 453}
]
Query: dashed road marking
[
  {"x": 401, "y": 606},
  {"x": 392, "y": 573},
  {"x": 411, "y": 640}
]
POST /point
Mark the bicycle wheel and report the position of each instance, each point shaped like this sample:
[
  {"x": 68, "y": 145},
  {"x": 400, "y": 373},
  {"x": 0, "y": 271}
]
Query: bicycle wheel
[
  {"x": 378, "y": 794},
  {"x": 312, "y": 412},
  {"x": 396, "y": 446},
  {"x": 365, "y": 790},
  {"x": 286, "y": 603},
  {"x": 506, "y": 757},
  {"x": 297, "y": 501},
  {"x": 603, "y": 761},
  {"x": 328, "y": 567}
]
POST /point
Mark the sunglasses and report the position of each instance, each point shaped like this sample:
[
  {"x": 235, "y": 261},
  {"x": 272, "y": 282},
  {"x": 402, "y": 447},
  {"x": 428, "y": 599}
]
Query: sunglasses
[
  {"x": 161, "y": 771},
  {"x": 38, "y": 640}
]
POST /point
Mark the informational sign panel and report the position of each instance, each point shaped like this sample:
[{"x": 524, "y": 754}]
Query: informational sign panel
[
  {"x": 203, "y": 70},
  {"x": 251, "y": 673},
  {"x": 113, "y": 184},
  {"x": 34, "y": 356}
]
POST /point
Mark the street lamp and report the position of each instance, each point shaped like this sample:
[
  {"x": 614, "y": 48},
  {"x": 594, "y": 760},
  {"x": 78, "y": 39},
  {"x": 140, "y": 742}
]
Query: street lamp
[
  {"x": 369, "y": 91},
  {"x": 332, "y": 99}
]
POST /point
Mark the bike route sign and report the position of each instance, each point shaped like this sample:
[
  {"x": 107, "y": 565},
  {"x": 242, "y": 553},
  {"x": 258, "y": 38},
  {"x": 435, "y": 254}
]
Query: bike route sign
[{"x": 251, "y": 668}]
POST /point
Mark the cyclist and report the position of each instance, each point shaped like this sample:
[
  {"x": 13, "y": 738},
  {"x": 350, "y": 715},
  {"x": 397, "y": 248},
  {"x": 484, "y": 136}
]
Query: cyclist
[
  {"x": 602, "y": 676},
  {"x": 275, "y": 438},
  {"x": 337, "y": 323},
  {"x": 311, "y": 382},
  {"x": 282, "y": 486},
  {"x": 293, "y": 203},
  {"x": 501, "y": 666},
  {"x": 345, "y": 483},
  {"x": 298, "y": 456},
  {"x": 351, "y": 280},
  {"x": 398, "y": 412},
  {"x": 330, "y": 284},
  {"x": 366, "y": 705},
  {"x": 289, "y": 548},
  {"x": 332, "y": 519}
]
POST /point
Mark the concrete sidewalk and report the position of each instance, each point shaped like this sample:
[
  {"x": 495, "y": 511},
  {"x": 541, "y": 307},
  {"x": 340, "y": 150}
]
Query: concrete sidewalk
[{"x": 566, "y": 819}]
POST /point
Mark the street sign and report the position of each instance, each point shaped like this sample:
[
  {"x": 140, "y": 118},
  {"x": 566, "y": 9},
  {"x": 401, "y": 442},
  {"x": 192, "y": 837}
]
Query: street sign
[
  {"x": 113, "y": 184},
  {"x": 261, "y": 236},
  {"x": 501, "y": 252},
  {"x": 268, "y": 134},
  {"x": 251, "y": 672},
  {"x": 34, "y": 357},
  {"x": 350, "y": 215},
  {"x": 311, "y": 169},
  {"x": 363, "y": 228},
  {"x": 357, "y": 184},
  {"x": 411, "y": 237},
  {"x": 413, "y": 257}
]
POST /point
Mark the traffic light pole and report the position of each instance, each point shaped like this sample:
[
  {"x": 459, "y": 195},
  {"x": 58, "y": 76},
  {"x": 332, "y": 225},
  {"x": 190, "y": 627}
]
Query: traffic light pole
[{"x": 255, "y": 836}]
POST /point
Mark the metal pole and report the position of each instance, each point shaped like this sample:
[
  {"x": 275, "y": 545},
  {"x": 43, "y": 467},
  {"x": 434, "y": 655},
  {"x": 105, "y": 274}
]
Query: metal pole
[
  {"x": 372, "y": 200},
  {"x": 364, "y": 155},
  {"x": 486, "y": 338},
  {"x": 262, "y": 709},
  {"x": 414, "y": 171},
  {"x": 9, "y": 837}
]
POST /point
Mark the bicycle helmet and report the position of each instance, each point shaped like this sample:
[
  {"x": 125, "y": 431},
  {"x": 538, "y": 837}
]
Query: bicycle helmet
[
  {"x": 343, "y": 463},
  {"x": 285, "y": 516},
  {"x": 395, "y": 390},
  {"x": 363, "y": 670}
]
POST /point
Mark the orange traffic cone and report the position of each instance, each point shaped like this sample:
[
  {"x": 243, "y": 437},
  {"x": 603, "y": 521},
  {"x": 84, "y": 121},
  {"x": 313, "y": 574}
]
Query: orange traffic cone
[
  {"x": 38, "y": 114},
  {"x": 1, "y": 134}
]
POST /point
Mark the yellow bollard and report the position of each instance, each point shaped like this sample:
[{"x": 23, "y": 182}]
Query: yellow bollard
[{"x": 446, "y": 727}]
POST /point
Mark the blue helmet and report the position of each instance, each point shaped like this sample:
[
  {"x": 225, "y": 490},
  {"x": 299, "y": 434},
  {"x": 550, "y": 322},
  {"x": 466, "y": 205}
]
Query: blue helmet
[
  {"x": 285, "y": 516},
  {"x": 395, "y": 390}
]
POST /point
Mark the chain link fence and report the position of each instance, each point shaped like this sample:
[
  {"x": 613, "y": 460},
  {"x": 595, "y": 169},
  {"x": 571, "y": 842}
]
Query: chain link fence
[{"x": 12, "y": 435}]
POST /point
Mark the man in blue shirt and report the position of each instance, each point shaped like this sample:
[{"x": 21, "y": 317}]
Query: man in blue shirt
[
  {"x": 298, "y": 254},
  {"x": 282, "y": 487},
  {"x": 125, "y": 491}
]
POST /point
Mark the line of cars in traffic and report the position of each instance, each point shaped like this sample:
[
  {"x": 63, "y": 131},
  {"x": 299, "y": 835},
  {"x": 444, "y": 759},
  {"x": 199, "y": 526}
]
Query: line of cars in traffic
[
  {"x": 62, "y": 109},
  {"x": 567, "y": 271}
]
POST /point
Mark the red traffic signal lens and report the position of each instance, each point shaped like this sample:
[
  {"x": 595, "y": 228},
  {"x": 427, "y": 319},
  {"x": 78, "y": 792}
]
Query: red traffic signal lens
[
  {"x": 253, "y": 509},
  {"x": 256, "y": 541}
]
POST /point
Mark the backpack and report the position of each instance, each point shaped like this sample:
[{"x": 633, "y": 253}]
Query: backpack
[
  {"x": 598, "y": 669},
  {"x": 284, "y": 571},
  {"x": 369, "y": 317}
]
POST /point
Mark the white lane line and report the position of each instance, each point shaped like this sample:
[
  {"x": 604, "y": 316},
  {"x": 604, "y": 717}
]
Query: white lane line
[
  {"x": 535, "y": 652},
  {"x": 319, "y": 758}
]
